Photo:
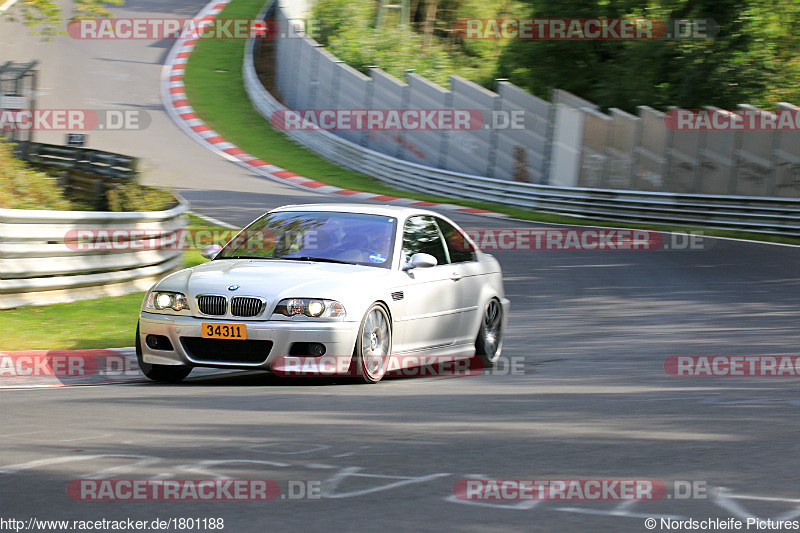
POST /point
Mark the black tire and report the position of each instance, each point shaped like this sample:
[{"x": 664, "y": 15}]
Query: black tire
[
  {"x": 373, "y": 345},
  {"x": 163, "y": 373},
  {"x": 489, "y": 342}
]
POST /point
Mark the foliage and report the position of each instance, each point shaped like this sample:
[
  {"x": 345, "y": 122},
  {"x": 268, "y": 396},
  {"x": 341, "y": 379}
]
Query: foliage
[
  {"x": 135, "y": 197},
  {"x": 348, "y": 29},
  {"x": 395, "y": 50},
  {"x": 753, "y": 59},
  {"x": 329, "y": 17},
  {"x": 483, "y": 53},
  {"x": 47, "y": 14},
  {"x": 24, "y": 188}
]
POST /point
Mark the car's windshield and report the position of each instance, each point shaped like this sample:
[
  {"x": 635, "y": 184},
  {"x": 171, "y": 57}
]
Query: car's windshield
[{"x": 316, "y": 236}]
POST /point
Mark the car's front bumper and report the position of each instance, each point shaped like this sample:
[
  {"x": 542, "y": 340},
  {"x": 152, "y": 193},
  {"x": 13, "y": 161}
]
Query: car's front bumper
[{"x": 338, "y": 337}]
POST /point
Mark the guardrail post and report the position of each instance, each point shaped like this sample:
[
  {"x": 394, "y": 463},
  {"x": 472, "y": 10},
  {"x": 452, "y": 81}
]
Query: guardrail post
[
  {"x": 134, "y": 164},
  {"x": 100, "y": 202}
]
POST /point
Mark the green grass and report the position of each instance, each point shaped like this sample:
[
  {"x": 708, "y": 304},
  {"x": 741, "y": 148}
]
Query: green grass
[
  {"x": 215, "y": 88},
  {"x": 101, "y": 323}
]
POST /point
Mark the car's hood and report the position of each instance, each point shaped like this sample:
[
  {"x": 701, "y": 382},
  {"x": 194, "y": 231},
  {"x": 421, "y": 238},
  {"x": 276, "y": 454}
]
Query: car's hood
[{"x": 273, "y": 279}]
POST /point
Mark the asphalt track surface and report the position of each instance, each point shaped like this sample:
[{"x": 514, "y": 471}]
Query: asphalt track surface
[{"x": 588, "y": 397}]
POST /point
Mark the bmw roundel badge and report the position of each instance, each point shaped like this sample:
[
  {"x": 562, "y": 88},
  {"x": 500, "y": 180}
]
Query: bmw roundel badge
[{"x": 233, "y": 287}]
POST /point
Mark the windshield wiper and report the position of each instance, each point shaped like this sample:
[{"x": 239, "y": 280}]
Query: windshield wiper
[
  {"x": 245, "y": 257},
  {"x": 319, "y": 259}
]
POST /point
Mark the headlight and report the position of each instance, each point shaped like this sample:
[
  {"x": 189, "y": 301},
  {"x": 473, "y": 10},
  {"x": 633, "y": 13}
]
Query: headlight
[
  {"x": 162, "y": 300},
  {"x": 310, "y": 307}
]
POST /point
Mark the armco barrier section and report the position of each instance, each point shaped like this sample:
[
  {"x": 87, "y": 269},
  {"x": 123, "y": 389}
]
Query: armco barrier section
[
  {"x": 768, "y": 215},
  {"x": 103, "y": 164},
  {"x": 85, "y": 174},
  {"x": 41, "y": 264}
]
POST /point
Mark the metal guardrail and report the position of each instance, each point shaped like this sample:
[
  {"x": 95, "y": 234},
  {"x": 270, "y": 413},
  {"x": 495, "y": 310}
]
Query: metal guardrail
[
  {"x": 105, "y": 164},
  {"x": 40, "y": 264},
  {"x": 778, "y": 216},
  {"x": 87, "y": 174}
]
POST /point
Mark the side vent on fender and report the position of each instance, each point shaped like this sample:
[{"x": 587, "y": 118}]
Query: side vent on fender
[{"x": 397, "y": 295}]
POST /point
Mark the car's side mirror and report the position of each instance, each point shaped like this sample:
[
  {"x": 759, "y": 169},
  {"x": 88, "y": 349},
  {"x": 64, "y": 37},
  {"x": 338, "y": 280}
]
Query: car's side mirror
[
  {"x": 421, "y": 261},
  {"x": 211, "y": 251}
]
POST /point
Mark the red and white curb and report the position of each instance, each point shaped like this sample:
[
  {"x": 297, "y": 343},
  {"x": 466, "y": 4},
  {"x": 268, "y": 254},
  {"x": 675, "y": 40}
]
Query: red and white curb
[{"x": 173, "y": 94}]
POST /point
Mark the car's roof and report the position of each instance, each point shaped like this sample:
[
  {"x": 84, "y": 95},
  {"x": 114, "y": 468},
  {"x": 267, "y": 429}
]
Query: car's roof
[{"x": 367, "y": 209}]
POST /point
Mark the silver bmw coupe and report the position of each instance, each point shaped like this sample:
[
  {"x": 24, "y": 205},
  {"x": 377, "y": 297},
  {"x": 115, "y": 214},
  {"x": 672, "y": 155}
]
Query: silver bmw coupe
[{"x": 364, "y": 284}]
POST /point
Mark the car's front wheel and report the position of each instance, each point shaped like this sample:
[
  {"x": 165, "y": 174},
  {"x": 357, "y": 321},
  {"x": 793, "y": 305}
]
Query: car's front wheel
[
  {"x": 165, "y": 373},
  {"x": 489, "y": 342},
  {"x": 373, "y": 345}
]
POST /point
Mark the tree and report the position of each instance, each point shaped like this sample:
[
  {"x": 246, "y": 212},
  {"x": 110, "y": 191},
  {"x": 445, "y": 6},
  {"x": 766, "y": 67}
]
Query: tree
[
  {"x": 734, "y": 67},
  {"x": 46, "y": 16}
]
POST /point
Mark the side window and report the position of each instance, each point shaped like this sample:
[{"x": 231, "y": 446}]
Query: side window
[
  {"x": 421, "y": 235},
  {"x": 459, "y": 247}
]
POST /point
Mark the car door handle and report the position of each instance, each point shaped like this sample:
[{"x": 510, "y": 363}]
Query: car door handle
[{"x": 455, "y": 276}]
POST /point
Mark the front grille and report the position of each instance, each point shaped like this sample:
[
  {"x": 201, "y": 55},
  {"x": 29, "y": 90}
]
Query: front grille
[
  {"x": 226, "y": 350},
  {"x": 212, "y": 305},
  {"x": 243, "y": 306}
]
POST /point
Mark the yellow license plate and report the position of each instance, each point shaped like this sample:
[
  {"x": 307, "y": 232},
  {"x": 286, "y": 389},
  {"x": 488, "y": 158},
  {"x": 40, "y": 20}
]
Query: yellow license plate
[{"x": 224, "y": 331}]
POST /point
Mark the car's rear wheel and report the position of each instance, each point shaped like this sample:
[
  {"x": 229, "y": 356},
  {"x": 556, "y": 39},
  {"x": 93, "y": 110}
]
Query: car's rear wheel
[
  {"x": 489, "y": 342},
  {"x": 373, "y": 345},
  {"x": 165, "y": 373}
]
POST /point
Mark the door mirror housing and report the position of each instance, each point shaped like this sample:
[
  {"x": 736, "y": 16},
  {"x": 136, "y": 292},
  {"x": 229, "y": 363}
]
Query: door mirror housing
[
  {"x": 211, "y": 251},
  {"x": 421, "y": 261}
]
